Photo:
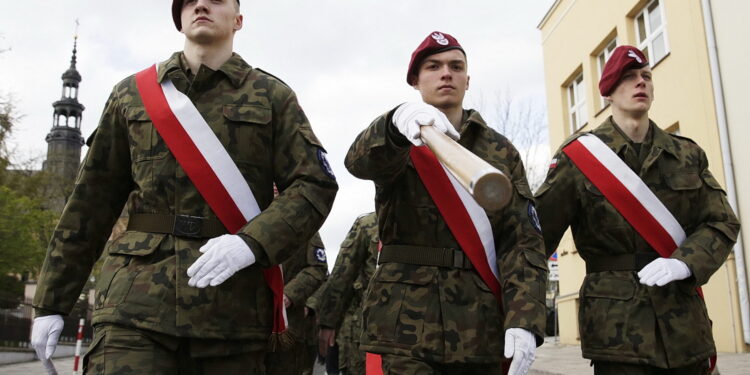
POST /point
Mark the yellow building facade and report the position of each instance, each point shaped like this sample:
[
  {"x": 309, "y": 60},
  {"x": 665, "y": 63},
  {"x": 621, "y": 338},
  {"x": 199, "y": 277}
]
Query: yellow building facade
[{"x": 699, "y": 62}]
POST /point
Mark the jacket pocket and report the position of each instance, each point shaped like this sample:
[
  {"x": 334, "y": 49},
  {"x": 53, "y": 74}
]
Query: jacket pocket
[
  {"x": 535, "y": 274},
  {"x": 145, "y": 143},
  {"x": 606, "y": 304},
  {"x": 396, "y": 305},
  {"x": 119, "y": 271},
  {"x": 248, "y": 134}
]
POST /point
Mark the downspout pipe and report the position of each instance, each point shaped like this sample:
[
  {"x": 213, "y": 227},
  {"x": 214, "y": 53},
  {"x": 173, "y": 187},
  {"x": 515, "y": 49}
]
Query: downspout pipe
[{"x": 726, "y": 155}]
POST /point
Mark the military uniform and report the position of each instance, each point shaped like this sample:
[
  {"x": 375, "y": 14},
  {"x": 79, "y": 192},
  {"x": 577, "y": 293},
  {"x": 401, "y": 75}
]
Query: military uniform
[
  {"x": 143, "y": 281},
  {"x": 302, "y": 277},
  {"x": 341, "y": 302},
  {"x": 620, "y": 319},
  {"x": 446, "y": 314}
]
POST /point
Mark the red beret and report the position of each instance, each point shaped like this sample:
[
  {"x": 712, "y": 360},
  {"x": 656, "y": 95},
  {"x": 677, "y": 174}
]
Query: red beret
[
  {"x": 622, "y": 59},
  {"x": 436, "y": 42},
  {"x": 177, "y": 12}
]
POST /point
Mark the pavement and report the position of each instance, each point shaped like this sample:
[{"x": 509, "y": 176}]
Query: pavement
[
  {"x": 557, "y": 359},
  {"x": 551, "y": 359}
]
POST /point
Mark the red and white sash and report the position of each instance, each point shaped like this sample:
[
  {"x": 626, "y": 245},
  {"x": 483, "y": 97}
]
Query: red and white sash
[
  {"x": 627, "y": 193},
  {"x": 630, "y": 196},
  {"x": 208, "y": 165},
  {"x": 467, "y": 221}
]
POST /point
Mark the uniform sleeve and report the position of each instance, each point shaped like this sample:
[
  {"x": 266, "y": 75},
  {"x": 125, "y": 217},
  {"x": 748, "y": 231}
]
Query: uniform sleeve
[
  {"x": 311, "y": 277},
  {"x": 556, "y": 201},
  {"x": 100, "y": 192},
  {"x": 709, "y": 245},
  {"x": 349, "y": 264},
  {"x": 313, "y": 302},
  {"x": 303, "y": 175},
  {"x": 380, "y": 153},
  {"x": 521, "y": 260}
]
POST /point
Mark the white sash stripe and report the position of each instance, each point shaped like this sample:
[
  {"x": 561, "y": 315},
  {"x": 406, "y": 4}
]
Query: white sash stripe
[
  {"x": 635, "y": 185},
  {"x": 479, "y": 219},
  {"x": 211, "y": 148}
]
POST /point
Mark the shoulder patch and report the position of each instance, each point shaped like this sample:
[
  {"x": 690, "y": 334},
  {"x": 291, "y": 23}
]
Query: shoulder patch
[
  {"x": 324, "y": 163},
  {"x": 320, "y": 254},
  {"x": 534, "y": 218},
  {"x": 271, "y": 75}
]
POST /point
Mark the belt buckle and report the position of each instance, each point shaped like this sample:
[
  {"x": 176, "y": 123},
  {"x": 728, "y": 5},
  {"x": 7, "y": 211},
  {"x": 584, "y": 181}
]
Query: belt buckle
[
  {"x": 458, "y": 259},
  {"x": 187, "y": 226}
]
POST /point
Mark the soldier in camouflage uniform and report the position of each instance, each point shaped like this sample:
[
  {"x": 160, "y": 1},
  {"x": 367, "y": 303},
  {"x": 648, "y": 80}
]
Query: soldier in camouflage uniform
[
  {"x": 630, "y": 322},
  {"x": 340, "y": 310},
  {"x": 149, "y": 316},
  {"x": 302, "y": 277},
  {"x": 443, "y": 319}
]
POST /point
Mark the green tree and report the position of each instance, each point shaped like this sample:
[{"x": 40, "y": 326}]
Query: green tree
[{"x": 25, "y": 225}]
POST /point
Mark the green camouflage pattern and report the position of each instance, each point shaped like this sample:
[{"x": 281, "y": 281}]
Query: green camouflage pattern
[
  {"x": 341, "y": 303},
  {"x": 620, "y": 319},
  {"x": 143, "y": 282},
  {"x": 442, "y": 314},
  {"x": 118, "y": 350},
  {"x": 303, "y": 275}
]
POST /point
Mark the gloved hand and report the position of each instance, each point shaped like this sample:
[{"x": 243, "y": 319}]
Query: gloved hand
[
  {"x": 44, "y": 335},
  {"x": 410, "y": 117},
  {"x": 222, "y": 257},
  {"x": 520, "y": 345},
  {"x": 663, "y": 271}
]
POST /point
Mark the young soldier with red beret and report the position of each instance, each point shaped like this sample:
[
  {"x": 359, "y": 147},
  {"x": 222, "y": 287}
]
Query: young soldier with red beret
[
  {"x": 652, "y": 225},
  {"x": 193, "y": 146},
  {"x": 439, "y": 303}
]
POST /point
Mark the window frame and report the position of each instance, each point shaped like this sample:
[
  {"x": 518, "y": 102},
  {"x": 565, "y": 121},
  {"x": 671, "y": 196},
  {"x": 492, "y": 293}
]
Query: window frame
[
  {"x": 577, "y": 112},
  {"x": 651, "y": 35}
]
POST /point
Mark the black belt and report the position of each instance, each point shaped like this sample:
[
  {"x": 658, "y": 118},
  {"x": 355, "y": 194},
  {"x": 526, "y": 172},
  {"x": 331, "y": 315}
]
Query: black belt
[
  {"x": 178, "y": 225},
  {"x": 622, "y": 262},
  {"x": 424, "y": 256}
]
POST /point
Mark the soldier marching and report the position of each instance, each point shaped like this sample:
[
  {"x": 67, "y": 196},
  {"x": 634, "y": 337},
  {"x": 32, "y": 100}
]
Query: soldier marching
[{"x": 214, "y": 275}]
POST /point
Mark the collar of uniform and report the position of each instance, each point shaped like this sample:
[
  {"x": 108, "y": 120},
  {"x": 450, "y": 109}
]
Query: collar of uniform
[
  {"x": 662, "y": 139},
  {"x": 471, "y": 116},
  {"x": 612, "y": 135},
  {"x": 236, "y": 69},
  {"x": 172, "y": 63}
]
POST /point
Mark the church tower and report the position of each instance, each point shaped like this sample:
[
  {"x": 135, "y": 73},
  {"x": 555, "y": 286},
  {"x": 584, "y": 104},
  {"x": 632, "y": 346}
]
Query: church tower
[{"x": 64, "y": 140}]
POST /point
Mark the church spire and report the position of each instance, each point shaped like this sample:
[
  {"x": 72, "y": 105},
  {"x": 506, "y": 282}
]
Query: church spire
[{"x": 64, "y": 141}]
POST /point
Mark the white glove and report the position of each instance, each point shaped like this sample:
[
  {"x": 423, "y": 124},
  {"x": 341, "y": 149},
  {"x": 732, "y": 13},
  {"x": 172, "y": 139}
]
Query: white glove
[
  {"x": 410, "y": 117},
  {"x": 44, "y": 335},
  {"x": 222, "y": 257},
  {"x": 520, "y": 345},
  {"x": 663, "y": 271}
]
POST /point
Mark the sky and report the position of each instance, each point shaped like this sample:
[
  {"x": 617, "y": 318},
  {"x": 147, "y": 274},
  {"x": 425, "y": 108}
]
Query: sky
[{"x": 346, "y": 60}]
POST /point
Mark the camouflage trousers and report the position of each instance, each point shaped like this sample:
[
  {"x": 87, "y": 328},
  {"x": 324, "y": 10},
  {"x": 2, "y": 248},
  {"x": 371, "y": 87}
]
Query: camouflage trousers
[
  {"x": 297, "y": 360},
  {"x": 118, "y": 350},
  {"x": 399, "y": 365},
  {"x": 615, "y": 368}
]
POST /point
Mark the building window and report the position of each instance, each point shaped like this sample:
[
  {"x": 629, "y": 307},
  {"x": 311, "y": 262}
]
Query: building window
[
  {"x": 601, "y": 59},
  {"x": 651, "y": 28},
  {"x": 577, "y": 104}
]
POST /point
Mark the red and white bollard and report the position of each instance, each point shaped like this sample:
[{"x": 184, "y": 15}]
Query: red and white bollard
[{"x": 79, "y": 341}]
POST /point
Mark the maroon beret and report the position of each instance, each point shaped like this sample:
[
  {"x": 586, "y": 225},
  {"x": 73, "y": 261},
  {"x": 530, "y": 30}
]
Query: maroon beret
[
  {"x": 622, "y": 59},
  {"x": 177, "y": 11},
  {"x": 436, "y": 42}
]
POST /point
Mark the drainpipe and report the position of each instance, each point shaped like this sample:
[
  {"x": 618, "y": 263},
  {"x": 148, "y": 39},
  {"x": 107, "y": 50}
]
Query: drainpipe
[{"x": 739, "y": 254}]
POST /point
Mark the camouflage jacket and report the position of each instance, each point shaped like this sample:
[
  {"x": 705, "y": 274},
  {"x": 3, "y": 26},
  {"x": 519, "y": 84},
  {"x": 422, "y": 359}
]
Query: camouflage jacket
[
  {"x": 143, "y": 281},
  {"x": 341, "y": 302},
  {"x": 620, "y": 319},
  {"x": 444, "y": 314},
  {"x": 303, "y": 275}
]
